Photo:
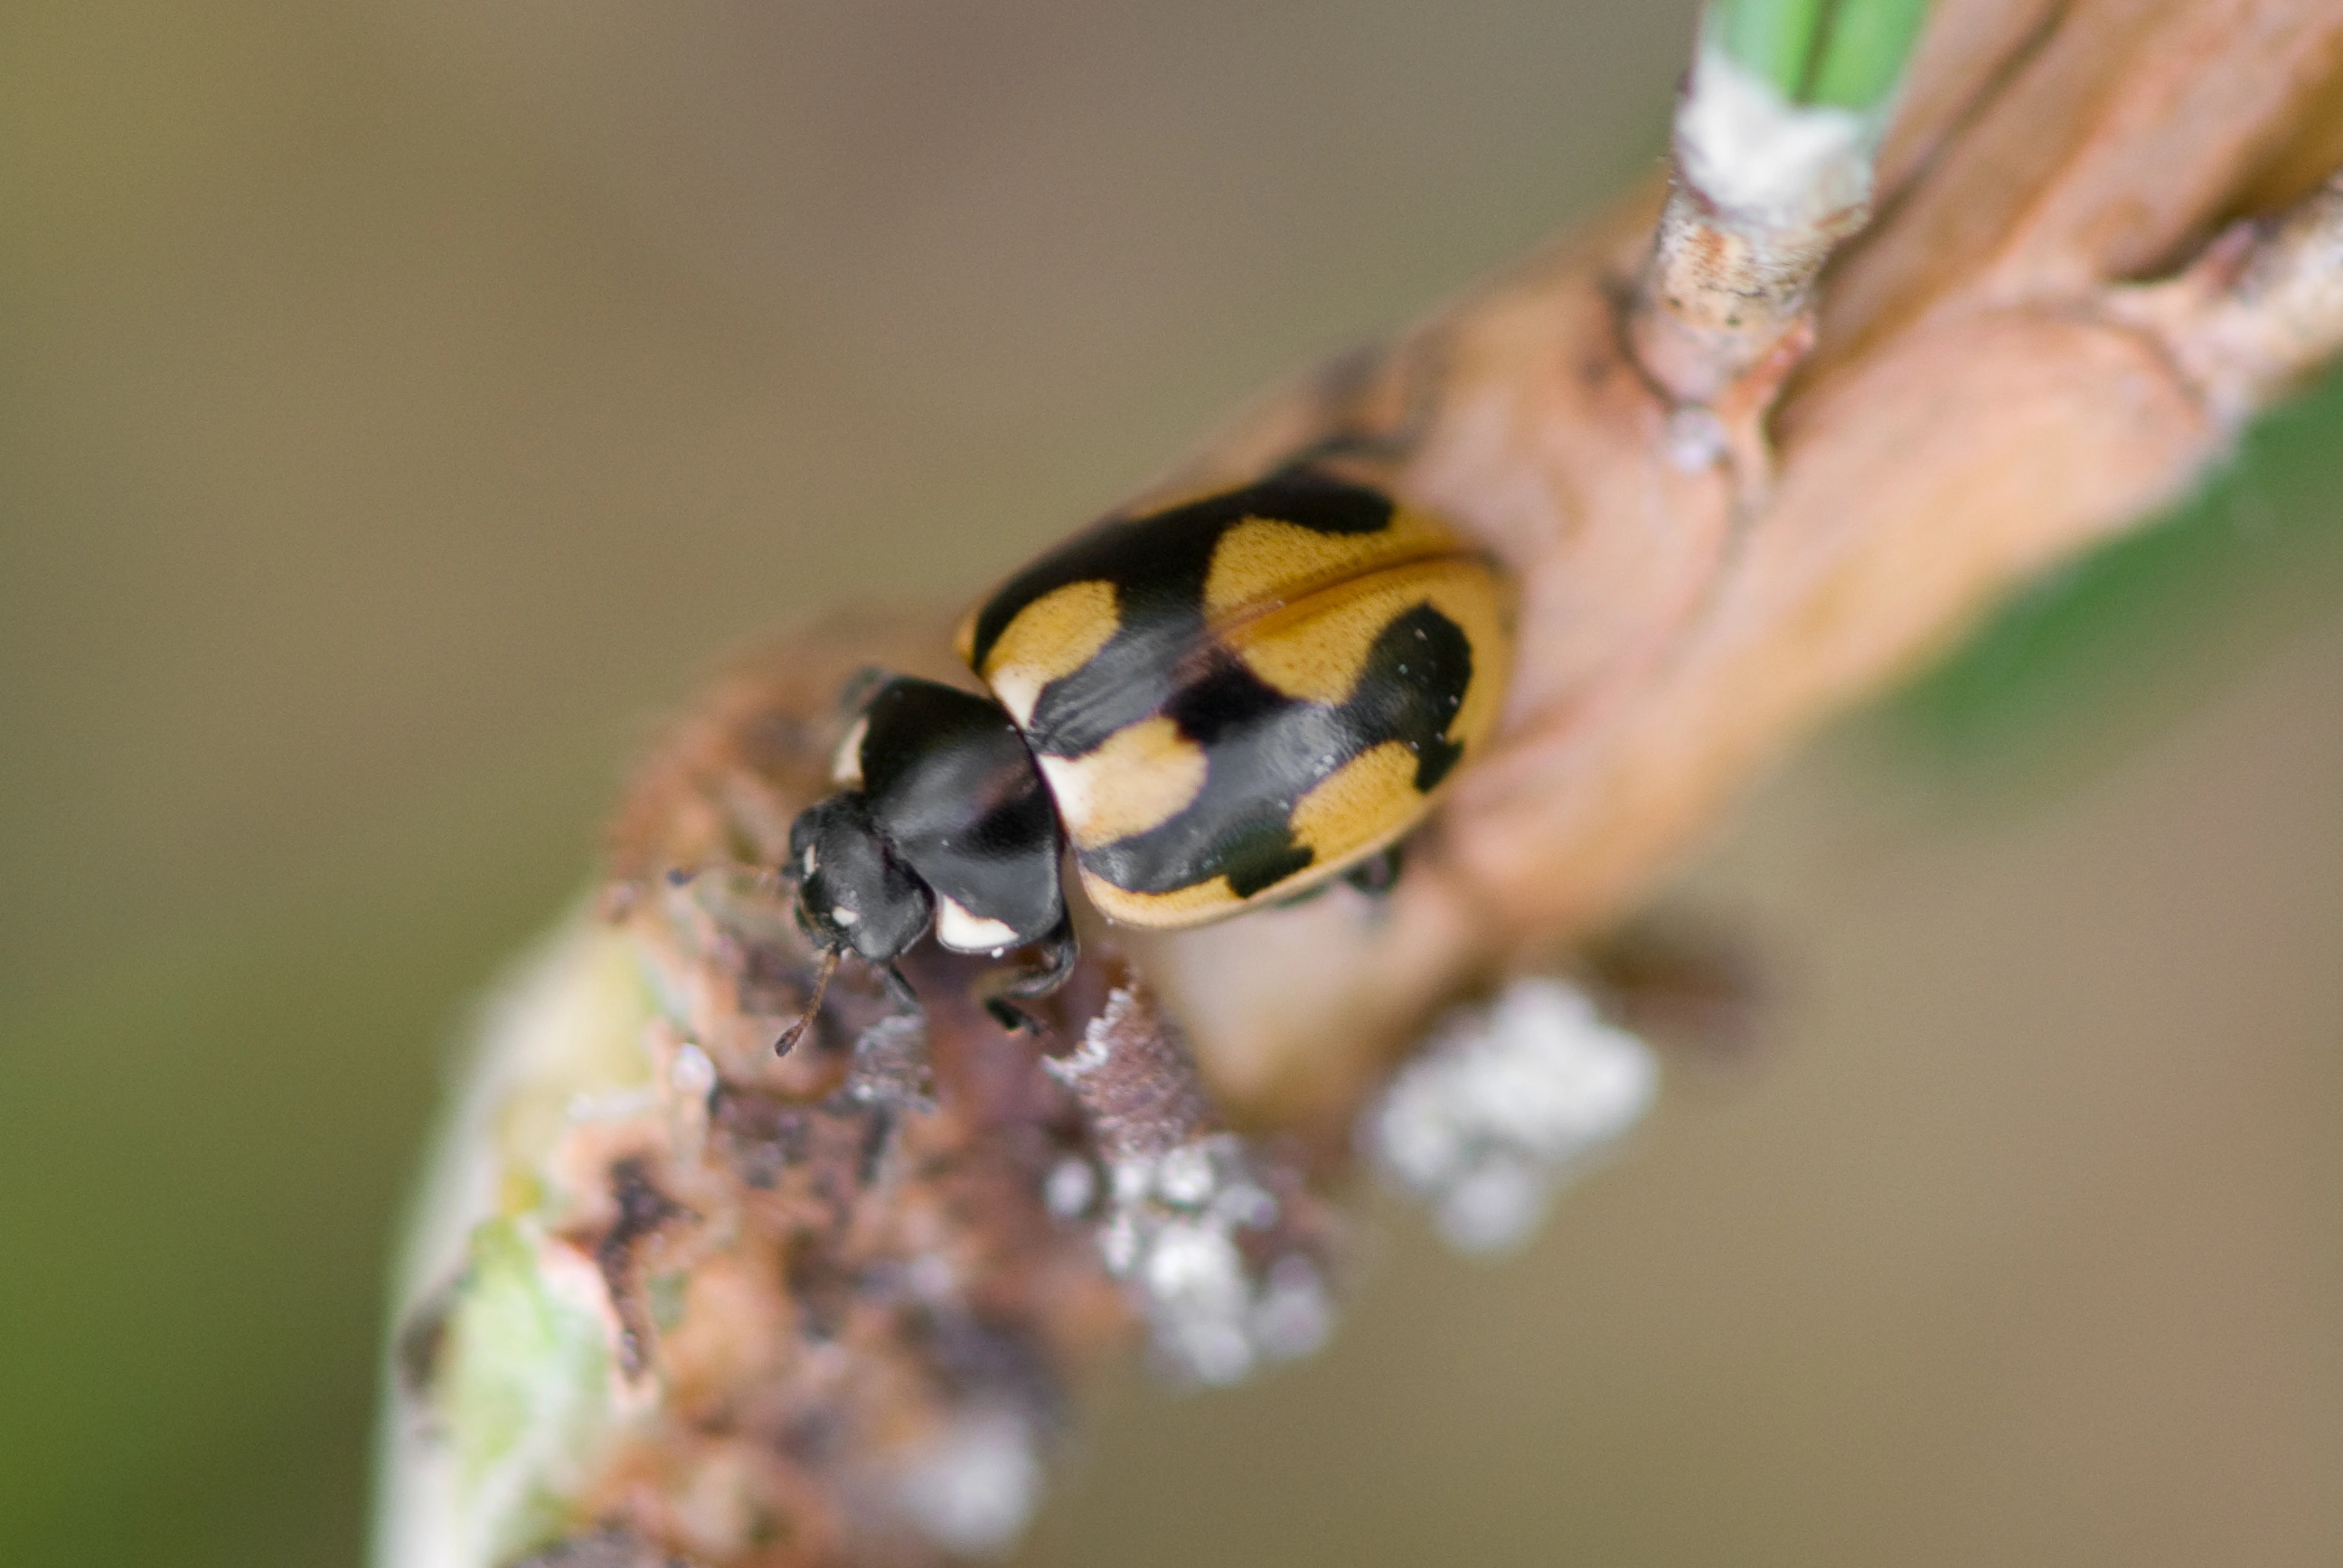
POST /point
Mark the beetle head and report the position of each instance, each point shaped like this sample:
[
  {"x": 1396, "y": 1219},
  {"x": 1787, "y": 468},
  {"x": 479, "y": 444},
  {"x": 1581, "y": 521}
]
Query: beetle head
[{"x": 853, "y": 894}]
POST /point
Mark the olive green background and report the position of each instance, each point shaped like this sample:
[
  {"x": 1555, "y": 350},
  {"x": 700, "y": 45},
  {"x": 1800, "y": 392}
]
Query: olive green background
[{"x": 401, "y": 404}]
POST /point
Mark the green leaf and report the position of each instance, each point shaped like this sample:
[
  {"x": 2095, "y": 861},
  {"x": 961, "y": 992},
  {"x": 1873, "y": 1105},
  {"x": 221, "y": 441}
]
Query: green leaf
[
  {"x": 2111, "y": 650},
  {"x": 1846, "y": 54},
  {"x": 1862, "y": 60},
  {"x": 1774, "y": 38},
  {"x": 526, "y": 1398}
]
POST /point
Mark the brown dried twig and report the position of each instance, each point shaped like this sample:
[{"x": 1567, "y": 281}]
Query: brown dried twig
[{"x": 845, "y": 1287}]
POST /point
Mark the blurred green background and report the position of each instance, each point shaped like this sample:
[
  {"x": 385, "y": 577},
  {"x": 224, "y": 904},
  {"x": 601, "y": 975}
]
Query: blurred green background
[{"x": 401, "y": 405}]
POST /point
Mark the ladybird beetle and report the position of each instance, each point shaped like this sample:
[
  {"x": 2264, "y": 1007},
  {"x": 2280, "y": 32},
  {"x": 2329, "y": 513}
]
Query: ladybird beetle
[{"x": 1228, "y": 702}]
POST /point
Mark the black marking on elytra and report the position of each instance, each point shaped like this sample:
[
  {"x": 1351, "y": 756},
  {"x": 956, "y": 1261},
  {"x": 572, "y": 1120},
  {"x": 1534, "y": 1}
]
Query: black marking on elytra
[
  {"x": 1225, "y": 701},
  {"x": 1258, "y": 852},
  {"x": 1157, "y": 563},
  {"x": 1159, "y": 567},
  {"x": 1264, "y": 750},
  {"x": 1139, "y": 670},
  {"x": 1415, "y": 678}
]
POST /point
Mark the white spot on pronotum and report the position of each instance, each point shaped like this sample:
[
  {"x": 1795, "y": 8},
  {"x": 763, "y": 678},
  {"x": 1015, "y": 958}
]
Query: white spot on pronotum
[
  {"x": 964, "y": 932},
  {"x": 844, "y": 915},
  {"x": 846, "y": 768},
  {"x": 972, "y": 1487},
  {"x": 1504, "y": 1105}
]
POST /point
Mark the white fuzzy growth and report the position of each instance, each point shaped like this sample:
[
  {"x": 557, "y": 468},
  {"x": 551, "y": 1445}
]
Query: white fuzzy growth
[
  {"x": 972, "y": 1488},
  {"x": 1097, "y": 1040},
  {"x": 1195, "y": 1266},
  {"x": 1171, "y": 1233},
  {"x": 1763, "y": 160},
  {"x": 1200, "y": 1299},
  {"x": 1185, "y": 1176},
  {"x": 1504, "y": 1105},
  {"x": 1120, "y": 1243},
  {"x": 1070, "y": 1189},
  {"x": 1294, "y": 1313}
]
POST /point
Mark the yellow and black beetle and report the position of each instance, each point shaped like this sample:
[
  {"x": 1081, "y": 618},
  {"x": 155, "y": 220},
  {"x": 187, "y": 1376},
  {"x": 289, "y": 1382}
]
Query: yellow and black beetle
[{"x": 1225, "y": 702}]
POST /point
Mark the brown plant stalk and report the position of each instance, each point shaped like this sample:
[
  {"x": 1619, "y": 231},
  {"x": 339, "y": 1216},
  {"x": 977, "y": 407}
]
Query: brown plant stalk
[{"x": 833, "y": 1277}]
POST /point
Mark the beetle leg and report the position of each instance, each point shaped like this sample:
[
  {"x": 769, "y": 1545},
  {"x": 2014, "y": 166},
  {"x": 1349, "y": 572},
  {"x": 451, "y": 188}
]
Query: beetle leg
[
  {"x": 859, "y": 688},
  {"x": 900, "y": 989},
  {"x": 1059, "y": 951},
  {"x": 1013, "y": 1019}
]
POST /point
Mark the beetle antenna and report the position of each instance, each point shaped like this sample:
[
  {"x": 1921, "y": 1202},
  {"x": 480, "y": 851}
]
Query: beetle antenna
[{"x": 790, "y": 1036}]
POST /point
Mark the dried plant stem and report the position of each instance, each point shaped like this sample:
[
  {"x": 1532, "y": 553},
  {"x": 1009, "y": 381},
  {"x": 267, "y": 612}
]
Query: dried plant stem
[
  {"x": 1990, "y": 391},
  {"x": 680, "y": 1298},
  {"x": 1763, "y": 189}
]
